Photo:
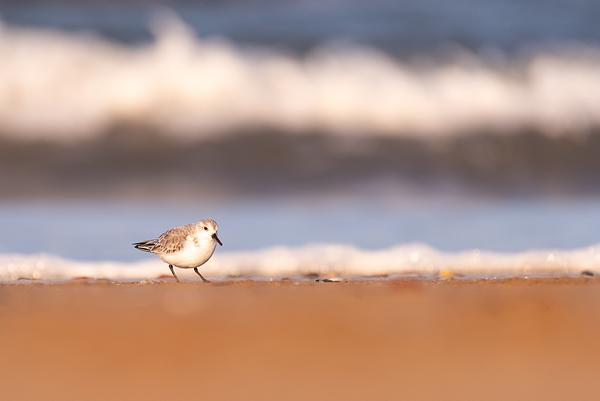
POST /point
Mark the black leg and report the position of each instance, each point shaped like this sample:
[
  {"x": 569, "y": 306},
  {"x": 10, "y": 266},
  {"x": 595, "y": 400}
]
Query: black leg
[
  {"x": 173, "y": 272},
  {"x": 203, "y": 279}
]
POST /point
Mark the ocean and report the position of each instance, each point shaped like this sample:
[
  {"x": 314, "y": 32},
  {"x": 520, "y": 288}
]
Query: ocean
[{"x": 333, "y": 137}]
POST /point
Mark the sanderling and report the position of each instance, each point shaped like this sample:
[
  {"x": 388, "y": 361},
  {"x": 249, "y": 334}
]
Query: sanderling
[{"x": 186, "y": 247}]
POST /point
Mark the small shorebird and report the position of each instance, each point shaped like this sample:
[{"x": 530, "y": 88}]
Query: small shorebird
[{"x": 186, "y": 247}]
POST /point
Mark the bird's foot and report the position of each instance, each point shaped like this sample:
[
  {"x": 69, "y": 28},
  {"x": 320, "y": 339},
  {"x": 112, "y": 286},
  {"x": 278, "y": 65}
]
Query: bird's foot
[
  {"x": 173, "y": 273},
  {"x": 202, "y": 277}
]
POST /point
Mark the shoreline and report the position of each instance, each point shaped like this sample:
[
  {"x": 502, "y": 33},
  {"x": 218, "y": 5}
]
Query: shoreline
[{"x": 442, "y": 278}]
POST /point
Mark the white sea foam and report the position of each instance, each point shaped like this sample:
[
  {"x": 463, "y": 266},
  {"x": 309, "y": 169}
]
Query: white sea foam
[
  {"x": 325, "y": 260},
  {"x": 62, "y": 86}
]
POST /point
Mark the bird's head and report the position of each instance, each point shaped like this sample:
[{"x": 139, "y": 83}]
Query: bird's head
[{"x": 208, "y": 228}]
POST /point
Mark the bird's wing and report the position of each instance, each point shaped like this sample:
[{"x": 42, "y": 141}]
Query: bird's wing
[{"x": 174, "y": 239}]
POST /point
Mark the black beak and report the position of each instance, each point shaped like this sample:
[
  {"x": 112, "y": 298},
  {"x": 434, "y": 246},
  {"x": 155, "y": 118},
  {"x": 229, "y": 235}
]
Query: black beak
[{"x": 217, "y": 239}]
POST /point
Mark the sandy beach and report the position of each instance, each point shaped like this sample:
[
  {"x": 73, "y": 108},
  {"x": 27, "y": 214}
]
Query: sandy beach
[
  {"x": 406, "y": 196},
  {"x": 377, "y": 340}
]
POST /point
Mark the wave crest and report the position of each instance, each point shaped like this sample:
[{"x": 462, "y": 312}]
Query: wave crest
[{"x": 61, "y": 86}]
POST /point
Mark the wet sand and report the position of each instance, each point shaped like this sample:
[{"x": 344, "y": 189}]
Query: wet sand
[{"x": 380, "y": 340}]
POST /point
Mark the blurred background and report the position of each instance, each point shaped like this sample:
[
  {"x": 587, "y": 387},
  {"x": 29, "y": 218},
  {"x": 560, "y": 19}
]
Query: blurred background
[{"x": 462, "y": 125}]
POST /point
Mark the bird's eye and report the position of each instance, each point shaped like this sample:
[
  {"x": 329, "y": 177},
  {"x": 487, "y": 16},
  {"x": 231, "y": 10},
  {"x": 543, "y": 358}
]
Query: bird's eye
[{"x": 206, "y": 228}]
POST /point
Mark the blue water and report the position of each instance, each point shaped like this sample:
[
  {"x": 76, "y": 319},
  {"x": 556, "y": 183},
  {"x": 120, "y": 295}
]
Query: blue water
[
  {"x": 104, "y": 231},
  {"x": 398, "y": 26}
]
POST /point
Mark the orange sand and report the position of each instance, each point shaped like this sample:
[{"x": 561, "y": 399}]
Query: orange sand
[{"x": 399, "y": 340}]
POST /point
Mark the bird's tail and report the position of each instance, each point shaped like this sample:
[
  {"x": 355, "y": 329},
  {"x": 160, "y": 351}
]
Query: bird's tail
[{"x": 146, "y": 246}]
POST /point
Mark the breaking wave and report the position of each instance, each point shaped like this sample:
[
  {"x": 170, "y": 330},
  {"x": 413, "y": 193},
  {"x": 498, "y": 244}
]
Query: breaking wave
[
  {"x": 415, "y": 260},
  {"x": 64, "y": 86}
]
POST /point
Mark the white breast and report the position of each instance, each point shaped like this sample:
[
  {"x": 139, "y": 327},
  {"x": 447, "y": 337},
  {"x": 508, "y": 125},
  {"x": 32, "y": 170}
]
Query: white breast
[{"x": 193, "y": 254}]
